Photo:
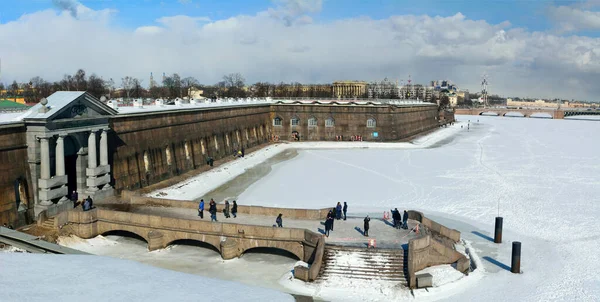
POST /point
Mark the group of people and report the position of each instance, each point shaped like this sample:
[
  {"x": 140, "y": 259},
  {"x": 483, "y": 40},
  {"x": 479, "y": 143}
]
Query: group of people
[
  {"x": 239, "y": 153},
  {"x": 397, "y": 218},
  {"x": 87, "y": 204},
  {"x": 335, "y": 213},
  {"x": 212, "y": 209},
  {"x": 8, "y": 226}
]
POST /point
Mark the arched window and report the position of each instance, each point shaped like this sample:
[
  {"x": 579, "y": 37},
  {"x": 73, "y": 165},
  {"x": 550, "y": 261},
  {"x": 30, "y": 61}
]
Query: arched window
[
  {"x": 330, "y": 122},
  {"x": 168, "y": 153},
  {"x": 277, "y": 121},
  {"x": 371, "y": 123},
  {"x": 312, "y": 122},
  {"x": 295, "y": 122}
]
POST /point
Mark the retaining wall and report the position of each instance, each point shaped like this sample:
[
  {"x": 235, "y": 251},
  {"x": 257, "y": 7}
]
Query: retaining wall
[
  {"x": 307, "y": 214},
  {"x": 435, "y": 227}
]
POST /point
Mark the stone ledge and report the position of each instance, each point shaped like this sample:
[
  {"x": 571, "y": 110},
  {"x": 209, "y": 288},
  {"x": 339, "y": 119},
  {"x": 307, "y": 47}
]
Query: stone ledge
[
  {"x": 55, "y": 181},
  {"x": 53, "y": 193},
  {"x": 97, "y": 171},
  {"x": 98, "y": 181}
]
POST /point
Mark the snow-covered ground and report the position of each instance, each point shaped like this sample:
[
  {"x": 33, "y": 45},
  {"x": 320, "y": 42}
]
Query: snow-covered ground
[
  {"x": 96, "y": 278},
  {"x": 541, "y": 175}
]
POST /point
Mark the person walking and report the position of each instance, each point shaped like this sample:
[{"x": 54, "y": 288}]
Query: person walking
[
  {"x": 366, "y": 225},
  {"x": 201, "y": 209},
  {"x": 345, "y": 209},
  {"x": 279, "y": 220},
  {"x": 338, "y": 211},
  {"x": 226, "y": 209},
  {"x": 328, "y": 225},
  {"x": 212, "y": 209},
  {"x": 332, "y": 216},
  {"x": 234, "y": 209},
  {"x": 405, "y": 218}
]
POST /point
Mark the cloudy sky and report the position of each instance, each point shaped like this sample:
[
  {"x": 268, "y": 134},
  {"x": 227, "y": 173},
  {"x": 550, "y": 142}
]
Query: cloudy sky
[{"x": 527, "y": 47}]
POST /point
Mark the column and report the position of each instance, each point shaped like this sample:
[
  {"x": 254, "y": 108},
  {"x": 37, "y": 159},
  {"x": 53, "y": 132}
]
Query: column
[
  {"x": 60, "y": 162},
  {"x": 45, "y": 167},
  {"x": 60, "y": 156},
  {"x": 104, "y": 148},
  {"x": 92, "y": 162},
  {"x": 45, "y": 157}
]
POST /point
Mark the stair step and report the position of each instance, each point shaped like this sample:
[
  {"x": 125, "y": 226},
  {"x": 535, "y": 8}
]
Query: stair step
[
  {"x": 349, "y": 273},
  {"x": 401, "y": 280}
]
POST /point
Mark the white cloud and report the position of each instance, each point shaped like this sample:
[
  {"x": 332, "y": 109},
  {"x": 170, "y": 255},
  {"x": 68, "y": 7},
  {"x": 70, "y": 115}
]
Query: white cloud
[
  {"x": 263, "y": 48},
  {"x": 574, "y": 18}
]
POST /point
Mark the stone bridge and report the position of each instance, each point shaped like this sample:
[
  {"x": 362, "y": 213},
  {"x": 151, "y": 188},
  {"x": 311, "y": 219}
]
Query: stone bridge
[
  {"x": 230, "y": 239},
  {"x": 555, "y": 114}
]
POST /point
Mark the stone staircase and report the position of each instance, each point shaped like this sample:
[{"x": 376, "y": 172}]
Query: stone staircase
[
  {"x": 48, "y": 223},
  {"x": 366, "y": 264}
]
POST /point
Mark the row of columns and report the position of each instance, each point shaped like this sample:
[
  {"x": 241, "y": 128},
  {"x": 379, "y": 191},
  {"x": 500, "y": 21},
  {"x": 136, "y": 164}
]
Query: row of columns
[
  {"x": 45, "y": 177},
  {"x": 348, "y": 90}
]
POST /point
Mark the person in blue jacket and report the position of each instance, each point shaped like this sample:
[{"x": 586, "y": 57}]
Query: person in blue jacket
[
  {"x": 201, "y": 209},
  {"x": 338, "y": 211}
]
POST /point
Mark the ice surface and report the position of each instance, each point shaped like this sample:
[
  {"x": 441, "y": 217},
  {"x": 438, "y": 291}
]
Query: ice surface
[{"x": 96, "y": 278}]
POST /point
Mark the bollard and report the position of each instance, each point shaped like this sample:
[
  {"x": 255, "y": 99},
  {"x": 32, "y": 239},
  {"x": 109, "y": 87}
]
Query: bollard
[
  {"x": 515, "y": 266},
  {"x": 498, "y": 230}
]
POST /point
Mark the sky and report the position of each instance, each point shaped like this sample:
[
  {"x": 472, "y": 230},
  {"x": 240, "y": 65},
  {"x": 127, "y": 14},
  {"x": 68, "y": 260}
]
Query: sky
[{"x": 527, "y": 48}]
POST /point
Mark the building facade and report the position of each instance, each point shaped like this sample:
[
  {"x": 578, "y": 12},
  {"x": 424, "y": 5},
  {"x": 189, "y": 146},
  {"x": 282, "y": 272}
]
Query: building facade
[{"x": 349, "y": 89}]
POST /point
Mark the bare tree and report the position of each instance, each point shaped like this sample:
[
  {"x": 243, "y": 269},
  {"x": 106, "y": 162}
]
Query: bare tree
[
  {"x": 128, "y": 84},
  {"x": 234, "y": 84},
  {"x": 80, "y": 81},
  {"x": 96, "y": 86},
  {"x": 444, "y": 102},
  {"x": 187, "y": 83}
]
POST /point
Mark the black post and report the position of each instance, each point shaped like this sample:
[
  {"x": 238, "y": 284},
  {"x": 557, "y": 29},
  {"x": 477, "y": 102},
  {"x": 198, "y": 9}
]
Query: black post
[
  {"x": 516, "y": 258},
  {"x": 498, "y": 230}
]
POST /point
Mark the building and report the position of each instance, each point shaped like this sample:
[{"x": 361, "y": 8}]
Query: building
[
  {"x": 74, "y": 141},
  {"x": 195, "y": 93},
  {"x": 385, "y": 89},
  {"x": 349, "y": 89},
  {"x": 535, "y": 104}
]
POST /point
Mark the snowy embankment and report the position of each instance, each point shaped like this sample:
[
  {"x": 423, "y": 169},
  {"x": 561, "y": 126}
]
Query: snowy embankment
[
  {"x": 96, "y": 278},
  {"x": 197, "y": 186}
]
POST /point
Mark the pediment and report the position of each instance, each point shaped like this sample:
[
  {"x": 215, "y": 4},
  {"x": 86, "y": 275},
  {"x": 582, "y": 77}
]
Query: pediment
[{"x": 70, "y": 105}]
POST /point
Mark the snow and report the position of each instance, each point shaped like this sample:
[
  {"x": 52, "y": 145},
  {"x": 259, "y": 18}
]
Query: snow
[
  {"x": 442, "y": 274},
  {"x": 96, "y": 278},
  {"x": 198, "y": 186},
  {"x": 541, "y": 175}
]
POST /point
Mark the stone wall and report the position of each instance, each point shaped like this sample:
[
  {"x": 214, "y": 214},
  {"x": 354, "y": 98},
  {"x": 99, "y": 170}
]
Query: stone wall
[
  {"x": 424, "y": 252},
  {"x": 308, "y": 214},
  {"x": 435, "y": 227},
  {"x": 151, "y": 147},
  {"x": 14, "y": 175},
  {"x": 391, "y": 122}
]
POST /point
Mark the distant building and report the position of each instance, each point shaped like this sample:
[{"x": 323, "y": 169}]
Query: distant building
[
  {"x": 349, "y": 89},
  {"x": 535, "y": 104},
  {"x": 383, "y": 90},
  {"x": 195, "y": 93}
]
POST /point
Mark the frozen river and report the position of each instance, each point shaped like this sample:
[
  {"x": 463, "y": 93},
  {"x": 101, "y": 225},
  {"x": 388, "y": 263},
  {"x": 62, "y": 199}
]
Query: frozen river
[{"x": 542, "y": 176}]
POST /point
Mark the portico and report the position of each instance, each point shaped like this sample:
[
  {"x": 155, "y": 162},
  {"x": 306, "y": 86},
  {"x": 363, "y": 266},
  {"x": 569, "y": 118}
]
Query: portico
[{"x": 68, "y": 149}]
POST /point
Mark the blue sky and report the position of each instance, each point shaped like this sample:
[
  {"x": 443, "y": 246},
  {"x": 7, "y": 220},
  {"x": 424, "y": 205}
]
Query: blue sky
[{"x": 529, "y": 14}]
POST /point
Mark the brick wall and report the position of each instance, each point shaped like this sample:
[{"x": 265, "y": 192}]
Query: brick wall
[
  {"x": 13, "y": 166},
  {"x": 163, "y": 139},
  {"x": 391, "y": 122}
]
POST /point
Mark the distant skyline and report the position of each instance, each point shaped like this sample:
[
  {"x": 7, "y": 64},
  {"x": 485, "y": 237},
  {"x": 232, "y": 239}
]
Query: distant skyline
[{"x": 542, "y": 49}]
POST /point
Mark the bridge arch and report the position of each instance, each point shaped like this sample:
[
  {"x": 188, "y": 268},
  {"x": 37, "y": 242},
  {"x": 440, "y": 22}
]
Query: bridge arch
[
  {"x": 488, "y": 113},
  {"x": 514, "y": 114},
  {"x": 124, "y": 233},
  {"x": 194, "y": 242},
  {"x": 540, "y": 115},
  {"x": 271, "y": 251}
]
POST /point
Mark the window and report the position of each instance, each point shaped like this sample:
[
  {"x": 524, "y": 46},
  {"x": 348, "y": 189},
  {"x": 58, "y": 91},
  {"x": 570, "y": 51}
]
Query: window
[
  {"x": 295, "y": 122},
  {"x": 277, "y": 121},
  {"x": 312, "y": 122},
  {"x": 329, "y": 122},
  {"x": 371, "y": 123}
]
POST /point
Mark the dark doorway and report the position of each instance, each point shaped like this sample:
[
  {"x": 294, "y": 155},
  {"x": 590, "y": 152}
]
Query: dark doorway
[{"x": 71, "y": 170}]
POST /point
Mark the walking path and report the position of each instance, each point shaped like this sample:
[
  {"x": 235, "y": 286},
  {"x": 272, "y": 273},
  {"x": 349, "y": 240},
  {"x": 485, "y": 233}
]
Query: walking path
[{"x": 347, "y": 232}]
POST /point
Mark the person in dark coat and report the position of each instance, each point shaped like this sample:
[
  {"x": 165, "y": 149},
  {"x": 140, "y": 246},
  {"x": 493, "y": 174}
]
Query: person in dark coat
[
  {"x": 332, "y": 212},
  {"x": 332, "y": 216},
  {"x": 201, "y": 209},
  {"x": 90, "y": 201},
  {"x": 279, "y": 220},
  {"x": 243, "y": 152},
  {"x": 74, "y": 196},
  {"x": 345, "y": 209},
  {"x": 226, "y": 209},
  {"x": 212, "y": 209},
  {"x": 338, "y": 211},
  {"x": 405, "y": 218},
  {"x": 328, "y": 225},
  {"x": 397, "y": 218},
  {"x": 366, "y": 226},
  {"x": 234, "y": 209}
]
